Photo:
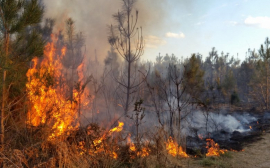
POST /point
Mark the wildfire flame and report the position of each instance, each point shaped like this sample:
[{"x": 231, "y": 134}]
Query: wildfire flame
[
  {"x": 116, "y": 129},
  {"x": 213, "y": 148},
  {"x": 48, "y": 103},
  {"x": 173, "y": 149},
  {"x": 139, "y": 153},
  {"x": 99, "y": 145}
]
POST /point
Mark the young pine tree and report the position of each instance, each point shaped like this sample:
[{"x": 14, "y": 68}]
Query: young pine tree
[{"x": 20, "y": 42}]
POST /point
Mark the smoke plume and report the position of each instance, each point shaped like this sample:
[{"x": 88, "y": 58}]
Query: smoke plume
[{"x": 93, "y": 17}]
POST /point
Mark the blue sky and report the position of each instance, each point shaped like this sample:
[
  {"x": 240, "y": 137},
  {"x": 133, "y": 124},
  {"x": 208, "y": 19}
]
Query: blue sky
[{"x": 195, "y": 26}]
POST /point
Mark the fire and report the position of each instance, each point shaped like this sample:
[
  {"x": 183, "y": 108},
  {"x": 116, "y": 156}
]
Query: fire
[
  {"x": 139, "y": 153},
  {"x": 46, "y": 92},
  {"x": 99, "y": 145},
  {"x": 118, "y": 128},
  {"x": 174, "y": 150},
  {"x": 115, "y": 129},
  {"x": 213, "y": 148}
]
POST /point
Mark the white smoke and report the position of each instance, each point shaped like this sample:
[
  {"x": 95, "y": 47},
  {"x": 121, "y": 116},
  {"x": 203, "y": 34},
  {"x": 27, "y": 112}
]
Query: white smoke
[{"x": 202, "y": 124}]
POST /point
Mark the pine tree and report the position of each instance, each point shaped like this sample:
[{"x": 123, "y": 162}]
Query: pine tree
[
  {"x": 193, "y": 77},
  {"x": 121, "y": 38},
  {"x": 20, "y": 43}
]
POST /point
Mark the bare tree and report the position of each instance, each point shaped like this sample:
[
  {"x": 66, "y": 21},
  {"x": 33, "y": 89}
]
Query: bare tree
[
  {"x": 168, "y": 94},
  {"x": 120, "y": 38}
]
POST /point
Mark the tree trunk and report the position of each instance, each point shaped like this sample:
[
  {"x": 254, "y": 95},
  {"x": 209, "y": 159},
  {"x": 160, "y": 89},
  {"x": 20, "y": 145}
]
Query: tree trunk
[
  {"x": 129, "y": 64},
  {"x": 4, "y": 92},
  {"x": 267, "y": 86},
  {"x": 2, "y": 127},
  {"x": 128, "y": 88}
]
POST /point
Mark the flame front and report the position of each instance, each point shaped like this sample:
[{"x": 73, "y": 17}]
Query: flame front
[
  {"x": 213, "y": 148},
  {"x": 173, "y": 149},
  {"x": 46, "y": 88}
]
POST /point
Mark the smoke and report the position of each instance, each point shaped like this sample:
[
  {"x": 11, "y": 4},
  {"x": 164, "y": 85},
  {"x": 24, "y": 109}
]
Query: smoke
[
  {"x": 204, "y": 124},
  {"x": 92, "y": 18}
]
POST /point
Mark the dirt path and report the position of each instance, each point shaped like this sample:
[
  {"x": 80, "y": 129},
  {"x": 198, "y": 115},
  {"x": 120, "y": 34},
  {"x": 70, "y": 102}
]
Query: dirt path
[{"x": 256, "y": 155}]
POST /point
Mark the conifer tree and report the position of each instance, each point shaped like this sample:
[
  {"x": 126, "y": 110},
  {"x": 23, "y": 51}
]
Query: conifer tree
[
  {"x": 20, "y": 42},
  {"x": 121, "y": 38}
]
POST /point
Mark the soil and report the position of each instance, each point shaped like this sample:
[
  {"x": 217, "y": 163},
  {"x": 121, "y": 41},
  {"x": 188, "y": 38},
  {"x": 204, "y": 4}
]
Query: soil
[{"x": 254, "y": 155}]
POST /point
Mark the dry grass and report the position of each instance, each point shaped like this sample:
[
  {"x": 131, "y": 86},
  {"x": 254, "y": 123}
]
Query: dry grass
[
  {"x": 31, "y": 149},
  {"x": 68, "y": 150}
]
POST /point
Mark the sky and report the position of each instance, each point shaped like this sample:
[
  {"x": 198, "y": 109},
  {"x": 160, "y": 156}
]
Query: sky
[{"x": 179, "y": 27}]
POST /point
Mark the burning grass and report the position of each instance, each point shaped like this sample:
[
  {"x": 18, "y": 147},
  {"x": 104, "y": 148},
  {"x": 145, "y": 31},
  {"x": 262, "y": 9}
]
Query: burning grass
[
  {"x": 174, "y": 149},
  {"x": 213, "y": 148}
]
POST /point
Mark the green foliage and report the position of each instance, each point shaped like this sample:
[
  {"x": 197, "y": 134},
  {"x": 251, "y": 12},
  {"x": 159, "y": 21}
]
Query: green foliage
[
  {"x": 193, "y": 76},
  {"x": 20, "y": 41},
  {"x": 207, "y": 161},
  {"x": 260, "y": 80},
  {"x": 16, "y": 15},
  {"x": 214, "y": 161}
]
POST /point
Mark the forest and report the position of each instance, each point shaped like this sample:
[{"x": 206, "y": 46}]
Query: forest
[{"x": 60, "y": 108}]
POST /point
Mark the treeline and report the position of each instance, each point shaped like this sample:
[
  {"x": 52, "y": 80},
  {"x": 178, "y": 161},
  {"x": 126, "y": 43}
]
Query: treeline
[{"x": 219, "y": 79}]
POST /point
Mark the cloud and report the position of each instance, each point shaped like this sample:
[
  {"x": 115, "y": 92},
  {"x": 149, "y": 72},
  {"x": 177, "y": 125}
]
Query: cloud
[
  {"x": 154, "y": 42},
  {"x": 262, "y": 22},
  {"x": 175, "y": 35}
]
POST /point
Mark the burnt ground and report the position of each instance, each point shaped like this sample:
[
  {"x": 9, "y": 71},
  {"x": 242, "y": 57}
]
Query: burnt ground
[
  {"x": 255, "y": 155},
  {"x": 255, "y": 145},
  {"x": 232, "y": 140}
]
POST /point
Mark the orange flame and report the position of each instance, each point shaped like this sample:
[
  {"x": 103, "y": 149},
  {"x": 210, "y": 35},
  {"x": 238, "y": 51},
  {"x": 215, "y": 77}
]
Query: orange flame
[
  {"x": 139, "y": 153},
  {"x": 46, "y": 94},
  {"x": 213, "y": 148},
  {"x": 116, "y": 129},
  {"x": 99, "y": 145},
  {"x": 174, "y": 150}
]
